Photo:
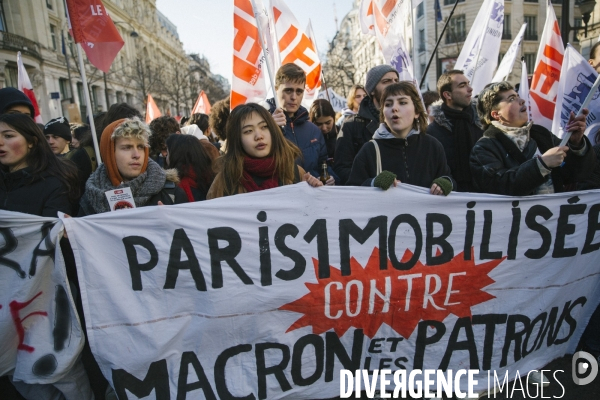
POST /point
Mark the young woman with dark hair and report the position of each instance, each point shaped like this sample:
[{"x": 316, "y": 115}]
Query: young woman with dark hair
[
  {"x": 32, "y": 179},
  {"x": 400, "y": 147},
  {"x": 193, "y": 163},
  {"x": 323, "y": 116},
  {"x": 258, "y": 156}
]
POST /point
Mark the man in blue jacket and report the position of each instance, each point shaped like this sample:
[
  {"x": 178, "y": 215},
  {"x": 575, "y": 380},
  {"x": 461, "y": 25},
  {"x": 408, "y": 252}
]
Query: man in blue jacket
[{"x": 289, "y": 85}]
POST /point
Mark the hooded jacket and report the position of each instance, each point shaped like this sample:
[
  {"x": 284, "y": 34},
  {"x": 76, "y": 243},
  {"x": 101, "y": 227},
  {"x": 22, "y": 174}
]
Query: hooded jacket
[
  {"x": 150, "y": 187},
  {"x": 356, "y": 130},
  {"x": 44, "y": 196},
  {"x": 417, "y": 160},
  {"x": 309, "y": 139},
  {"x": 498, "y": 167},
  {"x": 441, "y": 129}
]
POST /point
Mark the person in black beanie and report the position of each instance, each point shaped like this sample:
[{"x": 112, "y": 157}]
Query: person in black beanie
[
  {"x": 58, "y": 135},
  {"x": 358, "y": 129},
  {"x": 14, "y": 101},
  {"x": 456, "y": 125}
]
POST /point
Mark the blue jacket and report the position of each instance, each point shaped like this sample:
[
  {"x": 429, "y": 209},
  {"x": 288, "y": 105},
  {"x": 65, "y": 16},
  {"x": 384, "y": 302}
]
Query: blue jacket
[{"x": 309, "y": 139}]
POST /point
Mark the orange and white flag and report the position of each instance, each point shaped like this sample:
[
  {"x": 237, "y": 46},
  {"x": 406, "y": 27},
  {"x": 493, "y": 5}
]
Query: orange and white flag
[
  {"x": 25, "y": 86},
  {"x": 248, "y": 82},
  {"x": 152, "y": 111},
  {"x": 544, "y": 83},
  {"x": 202, "y": 104},
  {"x": 294, "y": 44},
  {"x": 376, "y": 16}
]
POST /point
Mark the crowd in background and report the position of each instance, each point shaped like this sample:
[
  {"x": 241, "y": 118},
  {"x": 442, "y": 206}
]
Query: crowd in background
[{"x": 389, "y": 134}]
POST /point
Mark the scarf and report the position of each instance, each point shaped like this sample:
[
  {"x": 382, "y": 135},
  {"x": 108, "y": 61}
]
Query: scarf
[
  {"x": 519, "y": 136},
  {"x": 107, "y": 152},
  {"x": 261, "y": 168},
  {"x": 146, "y": 185},
  {"x": 463, "y": 133},
  {"x": 188, "y": 182}
]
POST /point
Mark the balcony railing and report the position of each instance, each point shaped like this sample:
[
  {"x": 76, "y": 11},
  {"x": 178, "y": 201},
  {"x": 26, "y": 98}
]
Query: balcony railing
[{"x": 10, "y": 41}]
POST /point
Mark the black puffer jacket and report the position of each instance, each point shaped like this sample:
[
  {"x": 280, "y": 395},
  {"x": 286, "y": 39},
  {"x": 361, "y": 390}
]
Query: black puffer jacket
[
  {"x": 441, "y": 129},
  {"x": 498, "y": 167},
  {"x": 357, "y": 130},
  {"x": 44, "y": 196}
]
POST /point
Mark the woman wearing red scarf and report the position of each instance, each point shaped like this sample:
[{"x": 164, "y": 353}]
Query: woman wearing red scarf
[{"x": 258, "y": 156}]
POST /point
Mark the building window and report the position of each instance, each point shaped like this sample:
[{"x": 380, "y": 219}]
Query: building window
[
  {"x": 120, "y": 98},
  {"x": 95, "y": 98},
  {"x": 451, "y": 2},
  {"x": 531, "y": 30},
  {"x": 506, "y": 28},
  {"x": 65, "y": 89},
  {"x": 49, "y": 4},
  {"x": 531, "y": 1},
  {"x": 53, "y": 36},
  {"x": 12, "y": 77},
  {"x": 421, "y": 39},
  {"x": 2, "y": 19},
  {"x": 530, "y": 61},
  {"x": 129, "y": 99},
  {"x": 420, "y": 10},
  {"x": 500, "y": 57},
  {"x": 457, "y": 30},
  {"x": 578, "y": 24},
  {"x": 82, "y": 107}
]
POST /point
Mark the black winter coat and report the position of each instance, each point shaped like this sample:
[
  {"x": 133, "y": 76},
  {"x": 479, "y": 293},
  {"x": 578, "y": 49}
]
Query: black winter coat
[
  {"x": 44, "y": 196},
  {"x": 441, "y": 129},
  {"x": 357, "y": 130},
  {"x": 416, "y": 160},
  {"x": 498, "y": 167}
]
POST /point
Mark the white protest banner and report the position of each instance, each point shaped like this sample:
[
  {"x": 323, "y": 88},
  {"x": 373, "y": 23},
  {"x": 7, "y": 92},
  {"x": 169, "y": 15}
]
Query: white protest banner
[
  {"x": 270, "y": 294},
  {"x": 479, "y": 55},
  {"x": 40, "y": 335},
  {"x": 506, "y": 65},
  {"x": 546, "y": 74},
  {"x": 578, "y": 77},
  {"x": 337, "y": 102}
]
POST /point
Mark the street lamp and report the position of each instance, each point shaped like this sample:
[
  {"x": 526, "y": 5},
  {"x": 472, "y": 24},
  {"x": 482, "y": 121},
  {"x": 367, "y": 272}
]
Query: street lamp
[{"x": 585, "y": 7}]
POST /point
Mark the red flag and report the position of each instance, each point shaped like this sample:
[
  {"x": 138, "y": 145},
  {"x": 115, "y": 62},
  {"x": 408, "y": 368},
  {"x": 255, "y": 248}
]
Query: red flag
[
  {"x": 152, "y": 111},
  {"x": 548, "y": 63},
  {"x": 202, "y": 104},
  {"x": 26, "y": 87},
  {"x": 92, "y": 27}
]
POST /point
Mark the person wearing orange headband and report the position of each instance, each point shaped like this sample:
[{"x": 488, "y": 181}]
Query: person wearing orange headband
[{"x": 124, "y": 151}]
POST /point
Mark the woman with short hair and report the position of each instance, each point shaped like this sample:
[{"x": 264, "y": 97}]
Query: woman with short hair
[{"x": 516, "y": 157}]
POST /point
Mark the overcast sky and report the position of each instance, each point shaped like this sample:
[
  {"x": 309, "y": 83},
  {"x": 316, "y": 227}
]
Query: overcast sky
[{"x": 206, "y": 26}]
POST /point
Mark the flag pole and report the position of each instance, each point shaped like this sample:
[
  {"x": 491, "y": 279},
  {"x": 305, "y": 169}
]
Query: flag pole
[
  {"x": 262, "y": 44},
  {"x": 88, "y": 103},
  {"x": 434, "y": 53}
]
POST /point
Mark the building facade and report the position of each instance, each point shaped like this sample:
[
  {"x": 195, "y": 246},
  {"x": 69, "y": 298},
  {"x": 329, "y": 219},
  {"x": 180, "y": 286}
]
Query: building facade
[
  {"x": 363, "y": 52},
  {"x": 152, "y": 61}
]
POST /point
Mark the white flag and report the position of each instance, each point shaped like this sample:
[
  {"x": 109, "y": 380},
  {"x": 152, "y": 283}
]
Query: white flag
[
  {"x": 578, "y": 77},
  {"x": 524, "y": 87},
  {"x": 546, "y": 74},
  {"x": 479, "y": 55},
  {"x": 310, "y": 95},
  {"x": 337, "y": 102},
  {"x": 506, "y": 65}
]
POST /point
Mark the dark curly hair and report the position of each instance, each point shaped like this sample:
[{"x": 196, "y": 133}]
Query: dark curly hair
[
  {"x": 187, "y": 154},
  {"x": 160, "y": 129},
  {"x": 219, "y": 113}
]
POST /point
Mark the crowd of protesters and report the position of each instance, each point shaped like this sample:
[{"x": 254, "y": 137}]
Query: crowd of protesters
[{"x": 455, "y": 140}]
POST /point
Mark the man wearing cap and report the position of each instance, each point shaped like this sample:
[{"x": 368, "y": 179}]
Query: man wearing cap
[
  {"x": 14, "y": 101},
  {"x": 58, "y": 135},
  {"x": 359, "y": 129}
]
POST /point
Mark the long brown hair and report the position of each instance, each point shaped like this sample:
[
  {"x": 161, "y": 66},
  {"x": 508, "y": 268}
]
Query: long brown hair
[
  {"x": 231, "y": 164},
  {"x": 40, "y": 158}
]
